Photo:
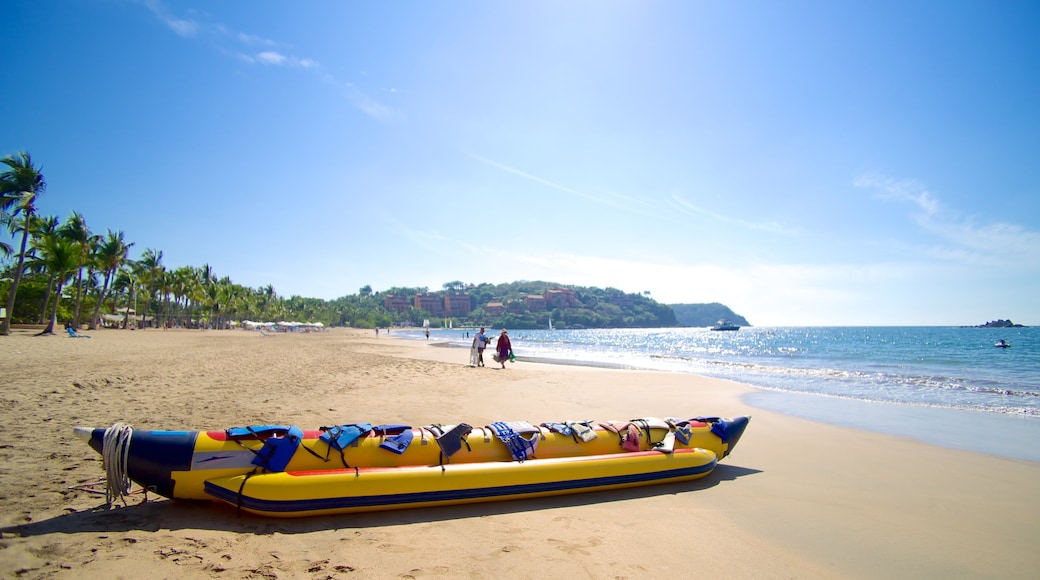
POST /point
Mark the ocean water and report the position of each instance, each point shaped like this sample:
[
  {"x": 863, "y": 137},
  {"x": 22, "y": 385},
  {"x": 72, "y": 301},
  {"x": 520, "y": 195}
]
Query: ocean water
[{"x": 861, "y": 376}]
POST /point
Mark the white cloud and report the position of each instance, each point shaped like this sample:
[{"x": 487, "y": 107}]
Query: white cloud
[
  {"x": 250, "y": 39},
  {"x": 183, "y": 27},
  {"x": 964, "y": 239},
  {"x": 684, "y": 206},
  {"x": 368, "y": 105},
  {"x": 900, "y": 190},
  {"x": 276, "y": 58},
  {"x": 535, "y": 178},
  {"x": 271, "y": 57},
  {"x": 615, "y": 200}
]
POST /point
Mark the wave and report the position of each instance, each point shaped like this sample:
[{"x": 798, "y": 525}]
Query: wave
[{"x": 932, "y": 367}]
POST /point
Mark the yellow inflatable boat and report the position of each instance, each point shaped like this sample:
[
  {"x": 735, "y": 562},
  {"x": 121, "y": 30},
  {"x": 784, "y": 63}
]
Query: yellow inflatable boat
[
  {"x": 307, "y": 493},
  {"x": 286, "y": 471}
]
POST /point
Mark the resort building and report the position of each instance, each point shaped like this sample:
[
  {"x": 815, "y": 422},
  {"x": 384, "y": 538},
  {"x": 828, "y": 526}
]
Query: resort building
[
  {"x": 562, "y": 298},
  {"x": 536, "y": 303},
  {"x": 430, "y": 303},
  {"x": 457, "y": 304},
  {"x": 395, "y": 303},
  {"x": 495, "y": 308}
]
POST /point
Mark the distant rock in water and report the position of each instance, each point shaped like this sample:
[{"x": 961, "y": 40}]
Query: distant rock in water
[
  {"x": 998, "y": 324},
  {"x": 706, "y": 314}
]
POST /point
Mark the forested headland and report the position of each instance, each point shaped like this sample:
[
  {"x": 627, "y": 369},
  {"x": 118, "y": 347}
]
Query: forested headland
[{"x": 60, "y": 271}]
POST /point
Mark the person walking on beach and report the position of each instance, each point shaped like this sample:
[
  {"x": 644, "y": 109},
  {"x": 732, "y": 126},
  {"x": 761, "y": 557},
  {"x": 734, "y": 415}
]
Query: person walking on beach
[
  {"x": 503, "y": 346},
  {"x": 480, "y": 341}
]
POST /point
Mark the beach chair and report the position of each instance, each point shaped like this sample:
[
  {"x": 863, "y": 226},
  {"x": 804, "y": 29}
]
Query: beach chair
[{"x": 74, "y": 334}]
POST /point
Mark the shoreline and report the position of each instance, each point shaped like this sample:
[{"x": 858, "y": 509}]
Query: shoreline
[
  {"x": 1008, "y": 436},
  {"x": 796, "y": 498},
  {"x": 996, "y": 434}
]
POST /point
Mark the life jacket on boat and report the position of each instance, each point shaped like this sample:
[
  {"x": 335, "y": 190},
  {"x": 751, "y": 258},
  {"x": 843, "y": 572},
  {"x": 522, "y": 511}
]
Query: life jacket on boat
[
  {"x": 520, "y": 437},
  {"x": 629, "y": 433},
  {"x": 279, "y": 450},
  {"x": 279, "y": 443},
  {"x": 396, "y": 438},
  {"x": 450, "y": 439}
]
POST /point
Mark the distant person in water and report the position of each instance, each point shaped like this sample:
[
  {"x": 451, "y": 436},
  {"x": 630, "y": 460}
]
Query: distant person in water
[{"x": 503, "y": 347}]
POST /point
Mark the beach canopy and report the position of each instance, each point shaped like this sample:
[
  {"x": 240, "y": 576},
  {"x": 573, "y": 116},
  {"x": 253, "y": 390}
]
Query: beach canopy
[{"x": 282, "y": 323}]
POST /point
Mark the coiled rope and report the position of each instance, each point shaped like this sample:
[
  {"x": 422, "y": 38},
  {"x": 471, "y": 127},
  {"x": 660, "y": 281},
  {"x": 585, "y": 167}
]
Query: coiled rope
[{"x": 114, "y": 455}]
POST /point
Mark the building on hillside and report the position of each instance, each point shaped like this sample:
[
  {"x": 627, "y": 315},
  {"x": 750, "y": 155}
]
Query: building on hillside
[
  {"x": 623, "y": 300},
  {"x": 395, "y": 303},
  {"x": 516, "y": 306},
  {"x": 495, "y": 308},
  {"x": 536, "y": 303},
  {"x": 430, "y": 303},
  {"x": 562, "y": 298},
  {"x": 457, "y": 304}
]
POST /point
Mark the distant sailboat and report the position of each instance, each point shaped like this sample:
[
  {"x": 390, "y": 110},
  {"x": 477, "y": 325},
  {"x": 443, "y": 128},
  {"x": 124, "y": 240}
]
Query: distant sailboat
[{"x": 550, "y": 325}]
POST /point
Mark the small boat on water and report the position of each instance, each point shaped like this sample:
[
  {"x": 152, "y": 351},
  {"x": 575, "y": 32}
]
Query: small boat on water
[
  {"x": 284, "y": 471},
  {"x": 1002, "y": 344},
  {"x": 725, "y": 325}
]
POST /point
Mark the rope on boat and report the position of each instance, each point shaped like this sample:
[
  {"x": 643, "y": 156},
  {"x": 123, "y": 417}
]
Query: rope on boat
[{"x": 115, "y": 453}]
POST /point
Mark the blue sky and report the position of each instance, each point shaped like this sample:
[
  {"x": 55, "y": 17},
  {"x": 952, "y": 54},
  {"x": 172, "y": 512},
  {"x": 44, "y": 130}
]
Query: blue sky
[{"x": 803, "y": 162}]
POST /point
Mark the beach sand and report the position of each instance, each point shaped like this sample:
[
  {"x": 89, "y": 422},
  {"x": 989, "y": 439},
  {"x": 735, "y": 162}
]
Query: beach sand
[{"x": 796, "y": 499}]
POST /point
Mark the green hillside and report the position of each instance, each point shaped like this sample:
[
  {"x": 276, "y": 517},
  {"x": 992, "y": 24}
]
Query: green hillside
[{"x": 706, "y": 314}]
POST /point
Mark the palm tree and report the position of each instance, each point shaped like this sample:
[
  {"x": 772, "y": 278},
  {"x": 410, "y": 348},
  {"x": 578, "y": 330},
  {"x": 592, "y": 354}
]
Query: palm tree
[
  {"x": 128, "y": 281},
  {"x": 265, "y": 299},
  {"x": 20, "y": 185},
  {"x": 6, "y": 222},
  {"x": 37, "y": 227},
  {"x": 111, "y": 257},
  {"x": 180, "y": 285},
  {"x": 61, "y": 258},
  {"x": 41, "y": 227},
  {"x": 151, "y": 273},
  {"x": 75, "y": 230},
  {"x": 213, "y": 300}
]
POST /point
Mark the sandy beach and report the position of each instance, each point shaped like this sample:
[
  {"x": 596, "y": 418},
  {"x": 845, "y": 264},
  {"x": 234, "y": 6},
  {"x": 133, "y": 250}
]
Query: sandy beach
[{"x": 796, "y": 499}]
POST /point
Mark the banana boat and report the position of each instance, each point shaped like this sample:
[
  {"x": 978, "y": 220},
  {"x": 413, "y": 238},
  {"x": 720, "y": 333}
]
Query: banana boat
[
  {"x": 286, "y": 471},
  {"x": 311, "y": 493}
]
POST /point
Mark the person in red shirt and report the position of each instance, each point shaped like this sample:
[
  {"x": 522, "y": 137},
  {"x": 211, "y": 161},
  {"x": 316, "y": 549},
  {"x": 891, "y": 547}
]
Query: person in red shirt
[{"x": 503, "y": 347}]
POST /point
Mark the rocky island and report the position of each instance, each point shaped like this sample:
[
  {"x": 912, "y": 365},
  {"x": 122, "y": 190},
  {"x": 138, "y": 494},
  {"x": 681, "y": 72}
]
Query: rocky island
[{"x": 1000, "y": 324}]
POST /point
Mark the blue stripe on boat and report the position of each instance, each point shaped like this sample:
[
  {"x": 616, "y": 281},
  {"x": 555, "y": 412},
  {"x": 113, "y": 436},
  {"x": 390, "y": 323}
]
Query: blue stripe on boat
[{"x": 473, "y": 494}]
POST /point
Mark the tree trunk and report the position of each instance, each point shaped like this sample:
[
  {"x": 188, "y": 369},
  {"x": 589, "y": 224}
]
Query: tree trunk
[
  {"x": 79, "y": 299},
  {"x": 131, "y": 300},
  {"x": 101, "y": 298},
  {"x": 5, "y": 326},
  {"x": 46, "y": 299},
  {"x": 54, "y": 313}
]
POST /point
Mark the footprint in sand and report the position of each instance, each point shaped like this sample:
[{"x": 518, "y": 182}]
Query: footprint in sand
[
  {"x": 398, "y": 548},
  {"x": 572, "y": 548},
  {"x": 420, "y": 572}
]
